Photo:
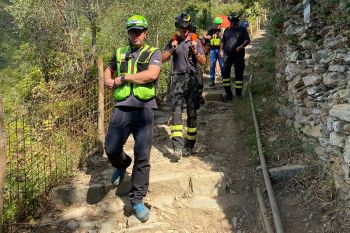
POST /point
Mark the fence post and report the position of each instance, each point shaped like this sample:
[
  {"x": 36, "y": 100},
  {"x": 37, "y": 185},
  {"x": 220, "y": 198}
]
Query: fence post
[
  {"x": 157, "y": 38},
  {"x": 251, "y": 30},
  {"x": 2, "y": 163},
  {"x": 101, "y": 106}
]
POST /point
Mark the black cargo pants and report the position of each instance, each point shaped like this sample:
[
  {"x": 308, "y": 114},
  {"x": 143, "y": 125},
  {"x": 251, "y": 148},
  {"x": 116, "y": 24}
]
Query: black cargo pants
[
  {"x": 139, "y": 122},
  {"x": 237, "y": 59},
  {"x": 184, "y": 87}
]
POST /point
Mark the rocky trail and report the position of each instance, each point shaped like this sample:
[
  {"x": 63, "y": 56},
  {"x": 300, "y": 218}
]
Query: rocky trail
[{"x": 210, "y": 191}]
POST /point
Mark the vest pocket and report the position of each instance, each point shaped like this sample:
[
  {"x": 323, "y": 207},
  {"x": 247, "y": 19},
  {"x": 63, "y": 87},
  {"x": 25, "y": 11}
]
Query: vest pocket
[
  {"x": 145, "y": 91},
  {"x": 122, "y": 92}
]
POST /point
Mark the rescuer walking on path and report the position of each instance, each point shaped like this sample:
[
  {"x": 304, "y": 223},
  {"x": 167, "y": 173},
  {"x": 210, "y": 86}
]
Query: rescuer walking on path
[
  {"x": 234, "y": 40},
  {"x": 186, "y": 54},
  {"x": 214, "y": 36},
  {"x": 132, "y": 75}
]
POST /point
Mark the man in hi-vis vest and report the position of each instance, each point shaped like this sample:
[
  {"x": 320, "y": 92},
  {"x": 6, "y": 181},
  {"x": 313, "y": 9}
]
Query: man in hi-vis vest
[
  {"x": 132, "y": 75},
  {"x": 186, "y": 52},
  {"x": 214, "y": 36}
]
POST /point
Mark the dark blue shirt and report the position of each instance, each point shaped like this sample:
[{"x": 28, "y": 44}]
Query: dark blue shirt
[
  {"x": 233, "y": 38},
  {"x": 244, "y": 24}
]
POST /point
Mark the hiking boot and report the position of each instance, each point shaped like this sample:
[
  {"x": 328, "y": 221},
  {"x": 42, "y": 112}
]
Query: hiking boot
[
  {"x": 117, "y": 176},
  {"x": 211, "y": 83},
  {"x": 187, "y": 151},
  {"x": 141, "y": 212},
  {"x": 177, "y": 154}
]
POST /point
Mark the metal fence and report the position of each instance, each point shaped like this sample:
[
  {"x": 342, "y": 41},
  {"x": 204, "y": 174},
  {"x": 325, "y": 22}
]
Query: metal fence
[{"x": 45, "y": 145}]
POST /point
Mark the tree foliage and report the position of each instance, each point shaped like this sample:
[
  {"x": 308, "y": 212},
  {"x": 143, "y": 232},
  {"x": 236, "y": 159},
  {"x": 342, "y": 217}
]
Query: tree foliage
[{"x": 62, "y": 38}]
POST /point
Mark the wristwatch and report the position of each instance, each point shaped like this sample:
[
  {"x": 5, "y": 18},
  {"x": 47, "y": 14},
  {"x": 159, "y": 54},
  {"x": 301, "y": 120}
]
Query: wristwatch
[{"x": 122, "y": 78}]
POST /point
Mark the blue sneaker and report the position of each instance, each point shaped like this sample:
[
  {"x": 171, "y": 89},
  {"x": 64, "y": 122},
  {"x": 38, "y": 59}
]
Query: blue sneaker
[
  {"x": 117, "y": 176},
  {"x": 141, "y": 212}
]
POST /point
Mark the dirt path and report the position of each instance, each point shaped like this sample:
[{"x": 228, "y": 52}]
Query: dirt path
[{"x": 210, "y": 191}]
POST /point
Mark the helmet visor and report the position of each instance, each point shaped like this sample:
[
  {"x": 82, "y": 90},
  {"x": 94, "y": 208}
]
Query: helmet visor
[{"x": 136, "y": 24}]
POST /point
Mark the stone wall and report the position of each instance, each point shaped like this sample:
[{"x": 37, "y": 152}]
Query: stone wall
[{"x": 313, "y": 75}]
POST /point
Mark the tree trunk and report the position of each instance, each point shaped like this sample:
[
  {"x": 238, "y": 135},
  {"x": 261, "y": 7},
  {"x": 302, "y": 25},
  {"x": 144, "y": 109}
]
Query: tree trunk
[
  {"x": 93, "y": 41},
  {"x": 2, "y": 163}
]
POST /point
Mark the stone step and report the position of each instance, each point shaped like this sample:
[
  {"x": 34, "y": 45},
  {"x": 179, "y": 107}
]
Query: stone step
[
  {"x": 114, "y": 214},
  {"x": 148, "y": 228},
  {"x": 216, "y": 95},
  {"x": 165, "y": 181},
  {"x": 222, "y": 203}
]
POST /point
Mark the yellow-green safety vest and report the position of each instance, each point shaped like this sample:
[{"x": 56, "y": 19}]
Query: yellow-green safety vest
[
  {"x": 215, "y": 40},
  {"x": 125, "y": 66}
]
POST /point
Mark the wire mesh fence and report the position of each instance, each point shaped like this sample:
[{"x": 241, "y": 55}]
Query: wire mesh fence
[{"x": 46, "y": 144}]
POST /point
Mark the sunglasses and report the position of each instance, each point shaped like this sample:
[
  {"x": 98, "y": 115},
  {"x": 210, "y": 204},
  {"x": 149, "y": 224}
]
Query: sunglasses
[{"x": 136, "y": 31}]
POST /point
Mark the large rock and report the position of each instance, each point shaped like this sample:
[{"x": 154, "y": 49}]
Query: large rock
[
  {"x": 312, "y": 90},
  {"x": 334, "y": 43},
  {"x": 293, "y": 57},
  {"x": 319, "y": 69},
  {"x": 292, "y": 70},
  {"x": 332, "y": 79},
  {"x": 295, "y": 83},
  {"x": 337, "y": 68},
  {"x": 346, "y": 154},
  {"x": 338, "y": 126},
  {"x": 306, "y": 44},
  {"x": 324, "y": 53},
  {"x": 341, "y": 111},
  {"x": 347, "y": 58},
  {"x": 293, "y": 29},
  {"x": 313, "y": 131},
  {"x": 326, "y": 60},
  {"x": 346, "y": 128},
  {"x": 312, "y": 79},
  {"x": 337, "y": 139}
]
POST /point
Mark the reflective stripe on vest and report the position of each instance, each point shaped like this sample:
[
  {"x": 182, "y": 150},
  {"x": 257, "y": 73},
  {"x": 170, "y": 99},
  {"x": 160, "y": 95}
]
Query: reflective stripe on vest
[{"x": 125, "y": 66}]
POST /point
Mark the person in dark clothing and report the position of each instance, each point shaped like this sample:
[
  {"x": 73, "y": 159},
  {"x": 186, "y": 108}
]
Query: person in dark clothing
[
  {"x": 233, "y": 42},
  {"x": 132, "y": 75},
  {"x": 186, "y": 53},
  {"x": 214, "y": 37},
  {"x": 244, "y": 23}
]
